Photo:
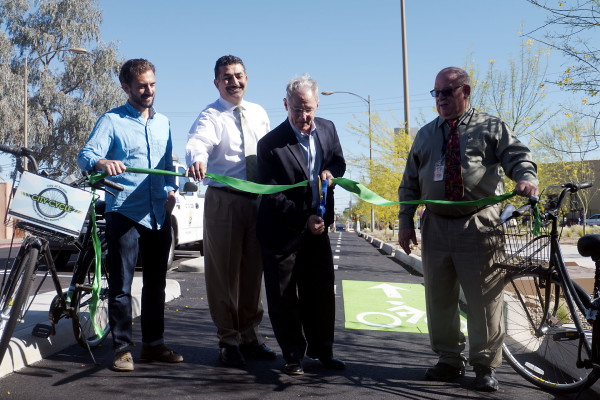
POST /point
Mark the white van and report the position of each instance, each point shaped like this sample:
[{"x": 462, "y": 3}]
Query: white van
[{"x": 188, "y": 214}]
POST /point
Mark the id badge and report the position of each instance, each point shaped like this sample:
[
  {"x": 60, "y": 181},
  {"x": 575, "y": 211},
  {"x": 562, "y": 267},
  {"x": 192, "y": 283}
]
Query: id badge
[{"x": 438, "y": 172}]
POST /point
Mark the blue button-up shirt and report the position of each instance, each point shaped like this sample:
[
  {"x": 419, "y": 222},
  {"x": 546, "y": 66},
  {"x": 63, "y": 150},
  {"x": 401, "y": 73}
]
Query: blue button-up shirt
[
  {"x": 124, "y": 134},
  {"x": 314, "y": 157}
]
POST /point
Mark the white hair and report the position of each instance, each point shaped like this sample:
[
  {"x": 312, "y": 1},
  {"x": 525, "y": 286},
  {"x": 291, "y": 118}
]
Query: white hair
[{"x": 299, "y": 83}]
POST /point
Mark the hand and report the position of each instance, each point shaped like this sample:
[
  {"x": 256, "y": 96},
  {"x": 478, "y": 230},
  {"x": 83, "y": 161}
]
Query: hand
[
  {"x": 526, "y": 189},
  {"x": 316, "y": 225},
  {"x": 327, "y": 176},
  {"x": 111, "y": 167},
  {"x": 170, "y": 203},
  {"x": 405, "y": 236},
  {"x": 196, "y": 170}
]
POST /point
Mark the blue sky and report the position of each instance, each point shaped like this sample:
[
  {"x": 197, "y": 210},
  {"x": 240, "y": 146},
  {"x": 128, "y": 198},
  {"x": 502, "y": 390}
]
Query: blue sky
[{"x": 347, "y": 45}]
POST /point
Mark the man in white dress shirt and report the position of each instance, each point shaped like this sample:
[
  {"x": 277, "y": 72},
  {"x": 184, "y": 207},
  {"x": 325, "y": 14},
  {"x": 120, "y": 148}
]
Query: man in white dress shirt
[{"x": 222, "y": 141}]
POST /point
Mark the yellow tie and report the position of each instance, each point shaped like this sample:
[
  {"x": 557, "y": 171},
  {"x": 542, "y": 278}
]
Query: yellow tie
[{"x": 249, "y": 146}]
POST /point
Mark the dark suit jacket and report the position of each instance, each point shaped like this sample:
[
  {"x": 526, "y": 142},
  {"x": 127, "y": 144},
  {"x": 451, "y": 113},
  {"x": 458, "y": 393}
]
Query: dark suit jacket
[{"x": 282, "y": 216}]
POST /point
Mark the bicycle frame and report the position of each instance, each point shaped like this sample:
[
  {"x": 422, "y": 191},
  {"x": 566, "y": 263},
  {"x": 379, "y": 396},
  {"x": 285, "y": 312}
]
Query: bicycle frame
[
  {"x": 550, "y": 344},
  {"x": 35, "y": 250},
  {"x": 571, "y": 295}
]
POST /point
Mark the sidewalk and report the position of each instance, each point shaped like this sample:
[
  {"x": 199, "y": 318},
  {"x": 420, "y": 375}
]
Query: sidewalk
[{"x": 25, "y": 349}]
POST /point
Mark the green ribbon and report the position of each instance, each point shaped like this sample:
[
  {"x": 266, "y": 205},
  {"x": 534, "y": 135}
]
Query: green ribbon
[
  {"x": 351, "y": 186},
  {"x": 252, "y": 187},
  {"x": 371, "y": 197}
]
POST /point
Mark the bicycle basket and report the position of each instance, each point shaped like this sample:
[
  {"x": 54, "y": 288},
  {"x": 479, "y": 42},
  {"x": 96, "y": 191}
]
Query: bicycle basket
[
  {"x": 515, "y": 247},
  {"x": 46, "y": 205}
]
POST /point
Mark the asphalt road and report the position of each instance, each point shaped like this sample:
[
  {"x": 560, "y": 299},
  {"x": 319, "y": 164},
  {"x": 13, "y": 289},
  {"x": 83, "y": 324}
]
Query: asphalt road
[{"x": 381, "y": 364}]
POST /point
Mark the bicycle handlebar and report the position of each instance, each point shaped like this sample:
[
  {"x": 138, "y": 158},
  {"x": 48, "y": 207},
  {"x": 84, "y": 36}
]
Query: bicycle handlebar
[
  {"x": 575, "y": 186},
  {"x": 104, "y": 182},
  {"x": 569, "y": 187},
  {"x": 21, "y": 152}
]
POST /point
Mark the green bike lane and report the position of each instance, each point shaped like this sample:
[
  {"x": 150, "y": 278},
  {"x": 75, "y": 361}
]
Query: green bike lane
[{"x": 381, "y": 333}]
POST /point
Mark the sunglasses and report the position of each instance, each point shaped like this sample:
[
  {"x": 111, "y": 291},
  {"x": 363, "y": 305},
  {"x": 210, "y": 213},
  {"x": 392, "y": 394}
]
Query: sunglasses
[{"x": 445, "y": 92}]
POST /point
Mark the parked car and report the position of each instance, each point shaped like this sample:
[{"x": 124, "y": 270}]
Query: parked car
[
  {"x": 187, "y": 219},
  {"x": 593, "y": 220}
]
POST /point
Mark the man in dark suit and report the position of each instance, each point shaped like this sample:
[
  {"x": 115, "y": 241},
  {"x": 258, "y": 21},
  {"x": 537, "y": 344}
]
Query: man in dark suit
[{"x": 297, "y": 257}]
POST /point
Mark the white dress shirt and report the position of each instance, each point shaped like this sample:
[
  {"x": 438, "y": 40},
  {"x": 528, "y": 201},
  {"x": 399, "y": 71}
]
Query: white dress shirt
[{"x": 215, "y": 138}]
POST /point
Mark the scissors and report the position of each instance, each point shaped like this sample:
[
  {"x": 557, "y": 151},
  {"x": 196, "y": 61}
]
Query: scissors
[{"x": 322, "y": 198}]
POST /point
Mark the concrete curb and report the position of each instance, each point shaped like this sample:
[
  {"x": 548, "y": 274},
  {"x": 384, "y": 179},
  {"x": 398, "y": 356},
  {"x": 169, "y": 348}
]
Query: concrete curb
[
  {"x": 377, "y": 243},
  {"x": 388, "y": 249},
  {"x": 410, "y": 260},
  {"x": 25, "y": 349},
  {"x": 192, "y": 265}
]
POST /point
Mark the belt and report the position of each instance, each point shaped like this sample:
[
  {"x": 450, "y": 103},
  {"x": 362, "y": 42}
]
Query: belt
[
  {"x": 468, "y": 215},
  {"x": 227, "y": 189}
]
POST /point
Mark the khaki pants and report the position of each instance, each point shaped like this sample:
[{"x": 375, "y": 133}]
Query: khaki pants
[
  {"x": 454, "y": 253},
  {"x": 233, "y": 266}
]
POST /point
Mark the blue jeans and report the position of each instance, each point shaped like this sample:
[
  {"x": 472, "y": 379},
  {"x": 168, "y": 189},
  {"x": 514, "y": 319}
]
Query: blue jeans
[{"x": 126, "y": 239}]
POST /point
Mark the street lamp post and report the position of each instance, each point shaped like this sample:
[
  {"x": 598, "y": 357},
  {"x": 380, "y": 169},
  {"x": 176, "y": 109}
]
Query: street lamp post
[
  {"x": 75, "y": 50},
  {"x": 368, "y": 101}
]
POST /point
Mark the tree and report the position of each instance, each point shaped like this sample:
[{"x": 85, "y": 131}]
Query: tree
[
  {"x": 516, "y": 95},
  {"x": 390, "y": 147},
  {"x": 66, "y": 92},
  {"x": 563, "y": 153},
  {"x": 575, "y": 25},
  {"x": 572, "y": 28}
]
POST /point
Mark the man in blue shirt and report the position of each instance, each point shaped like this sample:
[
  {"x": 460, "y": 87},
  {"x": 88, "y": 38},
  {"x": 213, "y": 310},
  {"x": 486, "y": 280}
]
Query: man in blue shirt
[{"x": 138, "y": 218}]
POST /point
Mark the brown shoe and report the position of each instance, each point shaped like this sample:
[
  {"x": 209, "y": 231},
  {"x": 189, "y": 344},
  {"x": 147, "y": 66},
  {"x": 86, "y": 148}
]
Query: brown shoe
[
  {"x": 160, "y": 353},
  {"x": 123, "y": 362}
]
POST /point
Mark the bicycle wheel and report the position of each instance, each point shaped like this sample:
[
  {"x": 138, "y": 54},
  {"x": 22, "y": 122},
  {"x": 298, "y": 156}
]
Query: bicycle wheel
[
  {"x": 14, "y": 295},
  {"x": 542, "y": 341},
  {"x": 83, "y": 328}
]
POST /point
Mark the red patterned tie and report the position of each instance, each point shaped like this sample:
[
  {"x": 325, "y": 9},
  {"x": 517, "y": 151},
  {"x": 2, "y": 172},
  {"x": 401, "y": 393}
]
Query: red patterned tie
[{"x": 452, "y": 170}]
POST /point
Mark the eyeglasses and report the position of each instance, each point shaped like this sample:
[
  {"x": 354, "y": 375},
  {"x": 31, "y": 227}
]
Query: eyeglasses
[
  {"x": 300, "y": 111},
  {"x": 445, "y": 92}
]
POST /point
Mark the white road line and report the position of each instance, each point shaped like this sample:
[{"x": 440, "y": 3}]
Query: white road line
[{"x": 60, "y": 276}]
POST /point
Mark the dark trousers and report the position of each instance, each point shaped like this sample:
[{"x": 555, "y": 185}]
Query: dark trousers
[
  {"x": 125, "y": 239},
  {"x": 301, "y": 298}
]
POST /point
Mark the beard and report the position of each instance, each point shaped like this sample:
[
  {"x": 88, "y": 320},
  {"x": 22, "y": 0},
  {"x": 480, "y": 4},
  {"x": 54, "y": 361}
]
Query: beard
[{"x": 142, "y": 102}]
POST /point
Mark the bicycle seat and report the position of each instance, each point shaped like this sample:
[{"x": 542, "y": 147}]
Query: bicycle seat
[{"x": 589, "y": 246}]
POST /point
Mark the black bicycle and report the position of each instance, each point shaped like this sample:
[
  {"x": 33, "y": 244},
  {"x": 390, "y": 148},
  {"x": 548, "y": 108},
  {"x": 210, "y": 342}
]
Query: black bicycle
[
  {"x": 46, "y": 214},
  {"x": 551, "y": 322}
]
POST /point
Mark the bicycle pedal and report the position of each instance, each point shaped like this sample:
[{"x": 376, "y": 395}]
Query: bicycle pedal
[{"x": 43, "y": 331}]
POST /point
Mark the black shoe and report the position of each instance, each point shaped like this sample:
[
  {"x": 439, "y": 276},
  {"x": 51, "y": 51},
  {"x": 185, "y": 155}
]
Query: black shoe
[
  {"x": 332, "y": 363},
  {"x": 443, "y": 372},
  {"x": 231, "y": 356},
  {"x": 485, "y": 378},
  {"x": 293, "y": 368},
  {"x": 257, "y": 351}
]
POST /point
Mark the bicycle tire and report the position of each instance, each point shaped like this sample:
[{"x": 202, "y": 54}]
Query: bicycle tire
[
  {"x": 541, "y": 342},
  {"x": 14, "y": 295},
  {"x": 82, "y": 324}
]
